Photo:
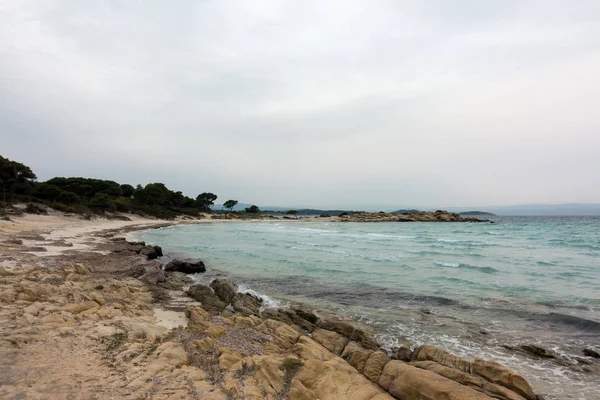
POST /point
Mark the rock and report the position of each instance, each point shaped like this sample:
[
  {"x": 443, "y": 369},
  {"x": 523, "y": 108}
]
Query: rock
[
  {"x": 499, "y": 374},
  {"x": 149, "y": 252},
  {"x": 405, "y": 381},
  {"x": 356, "y": 355},
  {"x": 81, "y": 269},
  {"x": 306, "y": 314},
  {"x": 187, "y": 267},
  {"x": 490, "y": 370},
  {"x": 402, "y": 353},
  {"x": 537, "y": 350},
  {"x": 591, "y": 353},
  {"x": 153, "y": 273},
  {"x": 374, "y": 365},
  {"x": 199, "y": 319},
  {"x": 171, "y": 353},
  {"x": 306, "y": 348},
  {"x": 204, "y": 294},
  {"x": 332, "y": 341},
  {"x": 77, "y": 308},
  {"x": 158, "y": 251},
  {"x": 466, "y": 379},
  {"x": 246, "y": 304},
  {"x": 224, "y": 289},
  {"x": 351, "y": 332},
  {"x": 333, "y": 379},
  {"x": 228, "y": 358}
]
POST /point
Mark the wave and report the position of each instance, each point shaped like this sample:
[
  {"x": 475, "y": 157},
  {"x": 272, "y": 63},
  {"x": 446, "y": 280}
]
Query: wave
[
  {"x": 487, "y": 270},
  {"x": 267, "y": 301}
]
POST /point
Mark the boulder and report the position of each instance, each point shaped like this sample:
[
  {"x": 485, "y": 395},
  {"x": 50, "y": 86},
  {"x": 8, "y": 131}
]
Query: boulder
[
  {"x": 246, "y": 304},
  {"x": 332, "y": 341},
  {"x": 210, "y": 301},
  {"x": 153, "y": 273},
  {"x": 405, "y": 381},
  {"x": 149, "y": 252},
  {"x": 158, "y": 251},
  {"x": 591, "y": 353},
  {"x": 537, "y": 350},
  {"x": 472, "y": 381},
  {"x": 374, "y": 365},
  {"x": 185, "y": 266},
  {"x": 402, "y": 353},
  {"x": 490, "y": 370},
  {"x": 224, "y": 289},
  {"x": 198, "y": 319},
  {"x": 356, "y": 355},
  {"x": 350, "y": 331}
]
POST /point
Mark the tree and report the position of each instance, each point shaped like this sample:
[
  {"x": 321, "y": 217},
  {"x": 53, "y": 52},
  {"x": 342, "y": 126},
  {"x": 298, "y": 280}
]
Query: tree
[
  {"x": 14, "y": 177},
  {"x": 127, "y": 190},
  {"x": 252, "y": 210},
  {"x": 292, "y": 212},
  {"x": 230, "y": 204},
  {"x": 152, "y": 194},
  {"x": 205, "y": 200}
]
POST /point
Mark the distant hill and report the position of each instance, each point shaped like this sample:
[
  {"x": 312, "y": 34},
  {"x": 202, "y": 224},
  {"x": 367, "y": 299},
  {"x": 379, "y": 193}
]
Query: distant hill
[{"x": 475, "y": 213}]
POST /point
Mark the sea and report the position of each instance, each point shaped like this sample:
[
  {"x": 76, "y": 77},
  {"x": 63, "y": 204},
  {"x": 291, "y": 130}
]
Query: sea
[{"x": 474, "y": 289}]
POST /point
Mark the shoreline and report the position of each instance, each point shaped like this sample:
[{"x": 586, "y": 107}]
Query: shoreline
[{"x": 98, "y": 259}]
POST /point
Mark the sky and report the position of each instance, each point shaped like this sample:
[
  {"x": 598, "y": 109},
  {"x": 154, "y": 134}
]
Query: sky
[{"x": 309, "y": 103}]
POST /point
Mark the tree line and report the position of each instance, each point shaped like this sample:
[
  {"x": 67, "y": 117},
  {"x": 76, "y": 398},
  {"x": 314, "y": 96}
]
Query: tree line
[{"x": 19, "y": 183}]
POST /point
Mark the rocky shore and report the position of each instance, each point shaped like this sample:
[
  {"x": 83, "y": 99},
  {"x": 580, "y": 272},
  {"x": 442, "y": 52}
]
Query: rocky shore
[
  {"x": 111, "y": 321},
  {"x": 418, "y": 216}
]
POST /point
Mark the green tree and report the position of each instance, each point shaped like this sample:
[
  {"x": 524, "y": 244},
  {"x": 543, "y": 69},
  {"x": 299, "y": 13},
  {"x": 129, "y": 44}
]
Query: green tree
[
  {"x": 252, "y": 209},
  {"x": 127, "y": 190},
  {"x": 292, "y": 212},
  {"x": 230, "y": 204},
  {"x": 152, "y": 194},
  {"x": 205, "y": 200},
  {"x": 103, "y": 201},
  {"x": 15, "y": 178}
]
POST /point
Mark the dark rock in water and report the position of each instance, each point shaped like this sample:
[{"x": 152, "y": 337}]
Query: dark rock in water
[
  {"x": 14, "y": 241},
  {"x": 187, "y": 267},
  {"x": 402, "y": 353},
  {"x": 158, "y": 251},
  {"x": 356, "y": 334},
  {"x": 136, "y": 243},
  {"x": 210, "y": 301},
  {"x": 306, "y": 314},
  {"x": 149, "y": 252},
  {"x": 246, "y": 304},
  {"x": 591, "y": 353},
  {"x": 224, "y": 289},
  {"x": 537, "y": 350}
]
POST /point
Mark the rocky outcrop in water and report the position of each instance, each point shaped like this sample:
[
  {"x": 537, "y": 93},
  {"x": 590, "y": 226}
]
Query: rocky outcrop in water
[
  {"x": 419, "y": 216},
  {"x": 186, "y": 266}
]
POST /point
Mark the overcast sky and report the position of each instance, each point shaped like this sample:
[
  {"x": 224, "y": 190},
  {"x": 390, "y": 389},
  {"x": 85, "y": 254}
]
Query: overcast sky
[{"x": 302, "y": 103}]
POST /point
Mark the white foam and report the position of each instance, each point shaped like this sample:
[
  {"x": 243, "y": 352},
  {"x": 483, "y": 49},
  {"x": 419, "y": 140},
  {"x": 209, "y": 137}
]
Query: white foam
[
  {"x": 267, "y": 301},
  {"x": 446, "y": 264}
]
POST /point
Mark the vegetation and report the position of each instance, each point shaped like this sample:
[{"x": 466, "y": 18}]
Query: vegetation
[
  {"x": 96, "y": 196},
  {"x": 230, "y": 204},
  {"x": 252, "y": 209}
]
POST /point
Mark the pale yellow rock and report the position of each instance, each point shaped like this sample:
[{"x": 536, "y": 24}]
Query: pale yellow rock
[
  {"x": 228, "y": 358},
  {"x": 356, "y": 355},
  {"x": 404, "y": 381},
  {"x": 76, "y": 308},
  {"x": 333, "y": 341},
  {"x": 473, "y": 381},
  {"x": 307, "y": 349},
  {"x": 199, "y": 319},
  {"x": 171, "y": 353},
  {"x": 215, "y": 331},
  {"x": 246, "y": 321},
  {"x": 205, "y": 344},
  {"x": 374, "y": 365},
  {"x": 268, "y": 373}
]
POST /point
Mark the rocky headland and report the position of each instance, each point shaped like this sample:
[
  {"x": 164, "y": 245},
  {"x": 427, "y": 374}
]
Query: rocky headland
[{"x": 105, "y": 318}]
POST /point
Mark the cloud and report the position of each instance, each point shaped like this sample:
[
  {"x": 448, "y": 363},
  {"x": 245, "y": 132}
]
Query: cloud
[{"x": 309, "y": 103}]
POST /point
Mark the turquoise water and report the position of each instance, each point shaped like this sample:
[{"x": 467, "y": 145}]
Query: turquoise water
[{"x": 520, "y": 280}]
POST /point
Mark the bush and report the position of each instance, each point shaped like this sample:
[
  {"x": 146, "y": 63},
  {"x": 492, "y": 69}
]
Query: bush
[{"x": 35, "y": 209}]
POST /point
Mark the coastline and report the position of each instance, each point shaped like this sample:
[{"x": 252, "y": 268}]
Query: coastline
[{"x": 92, "y": 258}]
